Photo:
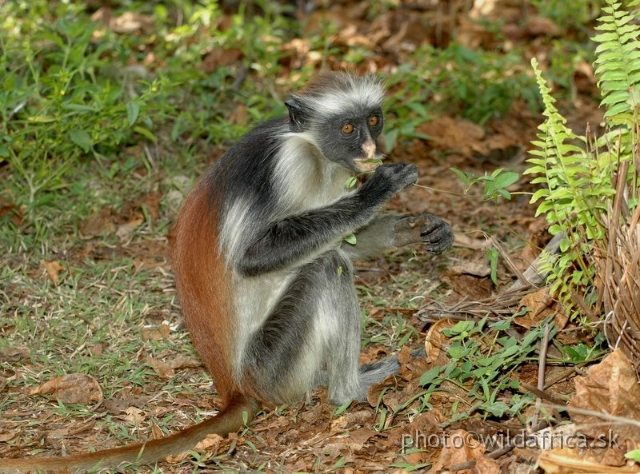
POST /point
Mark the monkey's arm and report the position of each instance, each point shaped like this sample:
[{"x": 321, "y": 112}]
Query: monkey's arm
[
  {"x": 389, "y": 231},
  {"x": 299, "y": 237}
]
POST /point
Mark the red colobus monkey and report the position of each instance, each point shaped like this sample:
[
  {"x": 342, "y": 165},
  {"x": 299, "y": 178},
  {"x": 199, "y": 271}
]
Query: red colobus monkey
[{"x": 264, "y": 279}]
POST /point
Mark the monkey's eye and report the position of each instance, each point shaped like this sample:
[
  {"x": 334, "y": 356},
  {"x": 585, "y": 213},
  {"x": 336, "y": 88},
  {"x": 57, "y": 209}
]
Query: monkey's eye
[
  {"x": 347, "y": 128},
  {"x": 374, "y": 120}
]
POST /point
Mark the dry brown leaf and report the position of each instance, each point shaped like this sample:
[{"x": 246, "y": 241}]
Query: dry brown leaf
[
  {"x": 53, "y": 270},
  {"x": 412, "y": 368},
  {"x": 77, "y": 428},
  {"x": 453, "y": 134},
  {"x": 116, "y": 406},
  {"x": 8, "y": 435},
  {"x": 609, "y": 387},
  {"x": 436, "y": 344},
  {"x": 541, "y": 305},
  {"x": 13, "y": 354},
  {"x": 460, "y": 447},
  {"x": 417, "y": 457},
  {"x": 468, "y": 286},
  {"x": 374, "y": 392},
  {"x": 163, "y": 369},
  {"x": 350, "y": 419},
  {"x": 156, "y": 431},
  {"x": 99, "y": 223},
  {"x": 130, "y": 22},
  {"x": 125, "y": 231},
  {"x": 210, "y": 444},
  {"x": 70, "y": 430},
  {"x": 477, "y": 269},
  {"x": 573, "y": 461},
  {"x": 464, "y": 240},
  {"x": 314, "y": 415},
  {"x": 185, "y": 362},
  {"x": 11, "y": 208},
  {"x": 156, "y": 333},
  {"x": 359, "y": 437},
  {"x": 220, "y": 57},
  {"x": 134, "y": 416},
  {"x": 72, "y": 388},
  {"x": 541, "y": 26}
]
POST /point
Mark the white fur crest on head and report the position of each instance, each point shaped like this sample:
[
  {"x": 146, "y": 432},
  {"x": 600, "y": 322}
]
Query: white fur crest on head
[{"x": 334, "y": 92}]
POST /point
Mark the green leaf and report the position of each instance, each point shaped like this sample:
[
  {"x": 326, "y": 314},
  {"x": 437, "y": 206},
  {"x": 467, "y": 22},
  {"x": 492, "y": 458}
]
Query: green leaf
[
  {"x": 41, "y": 119},
  {"x": 79, "y": 107},
  {"x": 350, "y": 239},
  {"x": 145, "y": 132},
  {"x": 429, "y": 376},
  {"x": 539, "y": 194},
  {"x": 633, "y": 455},
  {"x": 456, "y": 352},
  {"x": 492, "y": 255},
  {"x": 133, "y": 111},
  {"x": 342, "y": 408},
  {"x": 81, "y": 138},
  {"x": 464, "y": 177},
  {"x": 504, "y": 193},
  {"x": 506, "y": 179}
]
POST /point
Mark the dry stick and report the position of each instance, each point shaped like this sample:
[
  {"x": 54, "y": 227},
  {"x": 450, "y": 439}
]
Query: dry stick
[
  {"x": 499, "y": 306},
  {"x": 563, "y": 375},
  {"x": 614, "y": 223},
  {"x": 605, "y": 416},
  {"x": 507, "y": 259},
  {"x": 541, "y": 394},
  {"x": 512, "y": 444},
  {"x": 542, "y": 364},
  {"x": 532, "y": 275}
]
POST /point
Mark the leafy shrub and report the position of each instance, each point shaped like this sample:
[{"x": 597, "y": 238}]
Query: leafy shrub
[{"x": 60, "y": 100}]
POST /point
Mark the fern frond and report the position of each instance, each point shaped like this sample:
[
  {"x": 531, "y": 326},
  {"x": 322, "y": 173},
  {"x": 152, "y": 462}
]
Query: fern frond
[
  {"x": 555, "y": 156},
  {"x": 618, "y": 62}
]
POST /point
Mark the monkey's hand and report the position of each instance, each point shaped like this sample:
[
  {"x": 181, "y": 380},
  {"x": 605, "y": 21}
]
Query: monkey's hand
[
  {"x": 427, "y": 228},
  {"x": 388, "y": 180}
]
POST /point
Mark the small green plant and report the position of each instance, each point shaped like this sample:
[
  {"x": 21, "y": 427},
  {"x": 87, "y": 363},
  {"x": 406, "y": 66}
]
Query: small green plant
[
  {"x": 482, "y": 357},
  {"x": 58, "y": 103},
  {"x": 582, "y": 353},
  {"x": 495, "y": 184}
]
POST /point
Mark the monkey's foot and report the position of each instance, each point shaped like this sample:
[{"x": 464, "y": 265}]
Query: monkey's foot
[{"x": 435, "y": 233}]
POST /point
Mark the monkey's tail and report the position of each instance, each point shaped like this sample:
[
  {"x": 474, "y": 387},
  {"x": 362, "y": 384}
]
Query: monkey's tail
[{"x": 240, "y": 411}]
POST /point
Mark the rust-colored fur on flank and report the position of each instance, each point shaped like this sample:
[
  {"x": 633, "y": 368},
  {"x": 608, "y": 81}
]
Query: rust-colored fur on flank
[{"x": 203, "y": 285}]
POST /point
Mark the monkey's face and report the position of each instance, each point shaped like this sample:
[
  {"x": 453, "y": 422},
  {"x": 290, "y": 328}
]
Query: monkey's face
[{"x": 352, "y": 140}]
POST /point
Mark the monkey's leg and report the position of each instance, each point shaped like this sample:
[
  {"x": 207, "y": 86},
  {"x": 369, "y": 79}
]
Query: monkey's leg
[{"x": 314, "y": 328}]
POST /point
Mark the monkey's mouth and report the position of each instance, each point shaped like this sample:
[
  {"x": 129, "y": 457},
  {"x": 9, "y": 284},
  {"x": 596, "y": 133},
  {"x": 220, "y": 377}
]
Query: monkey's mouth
[{"x": 367, "y": 165}]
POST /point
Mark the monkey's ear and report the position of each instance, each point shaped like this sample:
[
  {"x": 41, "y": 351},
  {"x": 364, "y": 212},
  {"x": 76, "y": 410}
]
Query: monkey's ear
[{"x": 296, "y": 120}]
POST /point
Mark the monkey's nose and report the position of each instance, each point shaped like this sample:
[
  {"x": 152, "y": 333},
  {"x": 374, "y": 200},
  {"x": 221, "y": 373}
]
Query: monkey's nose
[{"x": 369, "y": 149}]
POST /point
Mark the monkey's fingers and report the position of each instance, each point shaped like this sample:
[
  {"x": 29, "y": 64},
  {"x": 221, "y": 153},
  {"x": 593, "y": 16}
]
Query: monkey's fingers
[{"x": 437, "y": 236}]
